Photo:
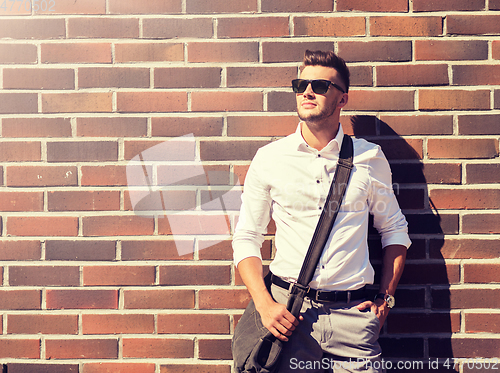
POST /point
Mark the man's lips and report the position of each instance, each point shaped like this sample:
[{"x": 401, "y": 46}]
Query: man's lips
[{"x": 308, "y": 105}]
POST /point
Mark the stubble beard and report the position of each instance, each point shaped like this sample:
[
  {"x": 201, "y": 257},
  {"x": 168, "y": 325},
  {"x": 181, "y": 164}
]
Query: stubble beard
[{"x": 317, "y": 118}]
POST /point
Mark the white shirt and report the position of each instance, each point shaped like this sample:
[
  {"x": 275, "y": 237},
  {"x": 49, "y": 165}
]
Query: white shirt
[{"x": 289, "y": 181}]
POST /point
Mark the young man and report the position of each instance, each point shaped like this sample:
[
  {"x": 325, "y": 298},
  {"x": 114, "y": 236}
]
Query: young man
[{"x": 288, "y": 181}]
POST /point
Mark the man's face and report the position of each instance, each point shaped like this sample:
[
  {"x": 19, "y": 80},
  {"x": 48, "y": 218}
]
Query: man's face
[{"x": 314, "y": 107}]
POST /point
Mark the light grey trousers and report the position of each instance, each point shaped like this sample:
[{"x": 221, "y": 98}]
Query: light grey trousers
[{"x": 333, "y": 337}]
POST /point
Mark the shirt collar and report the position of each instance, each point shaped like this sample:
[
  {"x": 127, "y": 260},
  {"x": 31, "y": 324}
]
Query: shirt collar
[{"x": 332, "y": 147}]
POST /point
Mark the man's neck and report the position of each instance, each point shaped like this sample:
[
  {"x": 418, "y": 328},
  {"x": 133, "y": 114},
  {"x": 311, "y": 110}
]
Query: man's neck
[{"x": 319, "y": 138}]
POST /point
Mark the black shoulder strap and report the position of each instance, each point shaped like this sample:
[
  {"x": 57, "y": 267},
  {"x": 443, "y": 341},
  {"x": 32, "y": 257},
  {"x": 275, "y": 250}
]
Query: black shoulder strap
[{"x": 329, "y": 213}]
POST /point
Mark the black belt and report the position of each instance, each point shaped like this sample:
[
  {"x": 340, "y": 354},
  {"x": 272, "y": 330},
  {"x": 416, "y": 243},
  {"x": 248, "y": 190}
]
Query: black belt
[{"x": 324, "y": 296}]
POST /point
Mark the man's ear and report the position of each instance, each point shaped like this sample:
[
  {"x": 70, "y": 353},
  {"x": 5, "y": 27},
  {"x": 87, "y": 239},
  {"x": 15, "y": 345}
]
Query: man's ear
[{"x": 343, "y": 101}]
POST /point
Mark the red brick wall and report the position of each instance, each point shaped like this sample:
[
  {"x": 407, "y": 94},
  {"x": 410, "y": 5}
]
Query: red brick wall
[{"x": 89, "y": 285}]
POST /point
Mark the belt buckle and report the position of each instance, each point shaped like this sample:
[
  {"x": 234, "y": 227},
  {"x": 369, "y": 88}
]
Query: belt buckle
[{"x": 316, "y": 296}]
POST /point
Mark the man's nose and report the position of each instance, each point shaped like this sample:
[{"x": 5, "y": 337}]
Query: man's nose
[{"x": 309, "y": 91}]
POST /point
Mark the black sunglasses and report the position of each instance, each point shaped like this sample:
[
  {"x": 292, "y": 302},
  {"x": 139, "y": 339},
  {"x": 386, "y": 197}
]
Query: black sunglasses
[{"x": 319, "y": 86}]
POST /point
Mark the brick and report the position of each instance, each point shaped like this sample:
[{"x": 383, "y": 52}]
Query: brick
[
  {"x": 81, "y": 349},
  {"x": 145, "y": 102},
  {"x": 205, "y": 368},
  {"x": 18, "y": 53},
  {"x": 180, "y": 126},
  {"x": 417, "y": 322},
  {"x": 472, "y": 24},
  {"x": 44, "y": 276},
  {"x": 481, "y": 223},
  {"x": 42, "y": 324},
  {"x": 403, "y": 347},
  {"x": 71, "y": 7},
  {"x": 478, "y": 124},
  {"x": 217, "y": 250},
  {"x": 451, "y": 50},
  {"x": 432, "y": 224},
  {"x": 486, "y": 273},
  {"x": 105, "y": 27},
  {"x": 156, "y": 250},
  {"x": 227, "y": 101},
  {"x": 289, "y": 6},
  {"x": 222, "y": 299},
  {"x": 290, "y": 51},
  {"x": 33, "y": 28},
  {"x": 14, "y": 151},
  {"x": 41, "y": 176},
  {"x": 431, "y": 274},
  {"x": 194, "y": 224},
  {"x": 373, "y": 5},
  {"x": 406, "y": 26},
  {"x": 465, "y": 199},
  {"x": 42, "y": 368},
  {"x": 223, "y": 52},
  {"x": 81, "y": 299},
  {"x": 20, "y": 299},
  {"x": 115, "y": 77},
  {"x": 118, "y": 324},
  {"x": 79, "y": 250},
  {"x": 18, "y": 103},
  {"x": 20, "y": 348},
  {"x": 82, "y": 151},
  {"x": 11, "y": 9},
  {"x": 482, "y": 323},
  {"x": 254, "y": 27},
  {"x": 172, "y": 150},
  {"x": 158, "y": 348},
  {"x": 21, "y": 201},
  {"x": 187, "y": 77},
  {"x": 111, "y": 127},
  {"x": 173, "y": 200},
  {"x": 329, "y": 26},
  {"x": 494, "y": 5},
  {"x": 77, "y": 102},
  {"x": 411, "y": 198},
  {"x": 462, "y": 148},
  {"x": 476, "y": 74},
  {"x": 375, "y": 51},
  {"x": 483, "y": 173},
  {"x": 151, "y": 7},
  {"x": 281, "y": 102},
  {"x": 443, "y": 173},
  {"x": 195, "y": 275},
  {"x": 441, "y": 99},
  {"x": 412, "y": 75},
  {"x": 117, "y": 226},
  {"x": 42, "y": 226},
  {"x": 36, "y": 127},
  {"x": 464, "y": 249},
  {"x": 174, "y": 28},
  {"x": 381, "y": 100},
  {"x": 495, "y": 50},
  {"x": 104, "y": 175},
  {"x": 119, "y": 368},
  {"x": 464, "y": 347},
  {"x": 261, "y": 125},
  {"x": 158, "y": 299},
  {"x": 220, "y": 6},
  {"x": 75, "y": 52},
  {"x": 118, "y": 275},
  {"x": 234, "y": 150},
  {"x": 193, "y": 324},
  {"x": 464, "y": 298},
  {"x": 20, "y": 250},
  {"x": 100, "y": 200},
  {"x": 215, "y": 349},
  {"x": 433, "y": 6},
  {"x": 260, "y": 76},
  {"x": 416, "y": 125},
  {"x": 134, "y": 52}
]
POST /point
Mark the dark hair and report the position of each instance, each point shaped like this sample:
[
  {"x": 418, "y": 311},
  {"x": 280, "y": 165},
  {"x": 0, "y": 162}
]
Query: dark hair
[{"x": 328, "y": 59}]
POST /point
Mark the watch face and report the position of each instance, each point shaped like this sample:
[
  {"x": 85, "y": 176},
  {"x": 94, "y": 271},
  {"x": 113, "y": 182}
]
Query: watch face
[{"x": 391, "y": 302}]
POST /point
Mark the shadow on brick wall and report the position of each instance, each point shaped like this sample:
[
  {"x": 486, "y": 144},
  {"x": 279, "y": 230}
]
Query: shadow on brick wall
[{"x": 419, "y": 329}]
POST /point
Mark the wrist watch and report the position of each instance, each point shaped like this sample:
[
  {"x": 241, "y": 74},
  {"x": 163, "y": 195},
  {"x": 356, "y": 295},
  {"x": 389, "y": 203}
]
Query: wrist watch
[{"x": 389, "y": 299}]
